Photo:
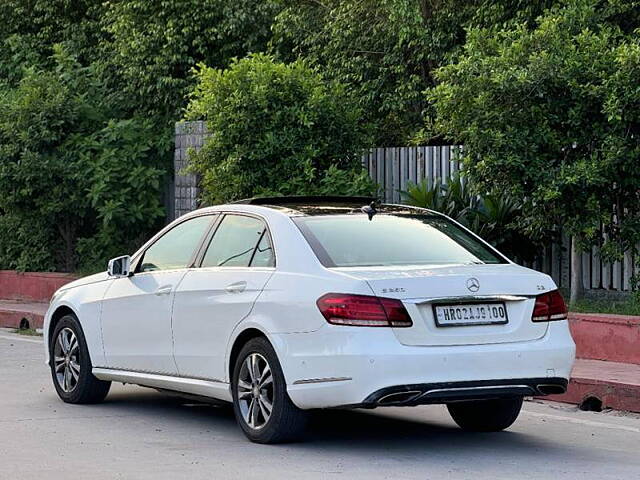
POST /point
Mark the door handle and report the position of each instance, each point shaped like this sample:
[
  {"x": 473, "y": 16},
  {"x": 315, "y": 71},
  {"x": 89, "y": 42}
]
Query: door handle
[
  {"x": 236, "y": 287},
  {"x": 164, "y": 290}
]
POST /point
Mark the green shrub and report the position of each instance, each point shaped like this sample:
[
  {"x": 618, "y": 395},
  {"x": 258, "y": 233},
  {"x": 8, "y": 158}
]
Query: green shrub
[
  {"x": 124, "y": 184},
  {"x": 276, "y": 129},
  {"x": 75, "y": 187}
]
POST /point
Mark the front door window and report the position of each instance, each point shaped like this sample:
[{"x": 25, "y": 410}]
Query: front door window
[{"x": 175, "y": 248}]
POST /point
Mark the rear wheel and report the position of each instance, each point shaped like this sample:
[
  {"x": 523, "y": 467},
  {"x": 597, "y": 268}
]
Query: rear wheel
[
  {"x": 485, "y": 415},
  {"x": 71, "y": 365},
  {"x": 261, "y": 404}
]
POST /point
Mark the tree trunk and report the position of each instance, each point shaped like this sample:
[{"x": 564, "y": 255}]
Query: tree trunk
[
  {"x": 67, "y": 232},
  {"x": 577, "y": 288}
]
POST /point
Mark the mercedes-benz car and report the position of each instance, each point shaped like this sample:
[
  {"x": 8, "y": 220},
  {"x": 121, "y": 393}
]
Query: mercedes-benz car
[{"x": 285, "y": 305}]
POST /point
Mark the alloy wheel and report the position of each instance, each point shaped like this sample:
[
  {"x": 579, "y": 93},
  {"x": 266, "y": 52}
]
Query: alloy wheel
[
  {"x": 66, "y": 361},
  {"x": 255, "y": 391}
]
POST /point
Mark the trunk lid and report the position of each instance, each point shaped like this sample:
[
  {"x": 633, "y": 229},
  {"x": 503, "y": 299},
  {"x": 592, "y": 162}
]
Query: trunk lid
[{"x": 420, "y": 288}]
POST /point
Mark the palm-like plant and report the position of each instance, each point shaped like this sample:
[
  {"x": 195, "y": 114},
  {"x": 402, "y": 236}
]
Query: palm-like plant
[
  {"x": 453, "y": 198},
  {"x": 423, "y": 196},
  {"x": 493, "y": 217}
]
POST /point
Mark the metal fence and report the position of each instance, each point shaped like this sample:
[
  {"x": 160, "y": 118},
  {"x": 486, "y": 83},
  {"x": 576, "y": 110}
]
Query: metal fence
[{"x": 393, "y": 168}]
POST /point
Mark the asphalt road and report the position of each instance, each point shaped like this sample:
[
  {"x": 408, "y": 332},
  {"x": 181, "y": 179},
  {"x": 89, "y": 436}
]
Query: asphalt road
[{"x": 139, "y": 433}]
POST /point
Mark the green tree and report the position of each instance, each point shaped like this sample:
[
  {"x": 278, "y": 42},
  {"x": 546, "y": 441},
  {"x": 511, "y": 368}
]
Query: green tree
[
  {"x": 68, "y": 174},
  {"x": 124, "y": 177},
  {"x": 155, "y": 44},
  {"x": 385, "y": 51},
  {"x": 551, "y": 115},
  {"x": 276, "y": 128},
  {"x": 38, "y": 177},
  {"x": 30, "y": 29},
  {"x": 86, "y": 136}
]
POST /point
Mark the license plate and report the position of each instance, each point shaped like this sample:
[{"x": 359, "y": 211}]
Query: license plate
[{"x": 470, "y": 314}]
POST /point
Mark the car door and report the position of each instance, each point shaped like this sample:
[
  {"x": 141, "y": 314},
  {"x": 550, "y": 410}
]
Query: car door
[
  {"x": 136, "y": 310},
  {"x": 212, "y": 299}
]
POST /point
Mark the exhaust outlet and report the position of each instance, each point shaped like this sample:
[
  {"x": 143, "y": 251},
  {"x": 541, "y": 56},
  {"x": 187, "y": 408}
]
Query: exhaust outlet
[
  {"x": 550, "y": 389},
  {"x": 399, "y": 397}
]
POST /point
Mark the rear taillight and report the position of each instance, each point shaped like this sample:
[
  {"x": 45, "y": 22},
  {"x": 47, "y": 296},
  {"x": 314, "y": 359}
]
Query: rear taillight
[
  {"x": 363, "y": 310},
  {"x": 549, "y": 306}
]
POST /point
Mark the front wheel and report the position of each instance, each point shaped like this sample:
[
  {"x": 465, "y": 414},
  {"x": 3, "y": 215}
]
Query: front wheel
[
  {"x": 71, "y": 365},
  {"x": 485, "y": 415},
  {"x": 261, "y": 404}
]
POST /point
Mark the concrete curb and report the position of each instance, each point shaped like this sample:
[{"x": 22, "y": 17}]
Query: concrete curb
[
  {"x": 597, "y": 384},
  {"x": 614, "y": 338}
]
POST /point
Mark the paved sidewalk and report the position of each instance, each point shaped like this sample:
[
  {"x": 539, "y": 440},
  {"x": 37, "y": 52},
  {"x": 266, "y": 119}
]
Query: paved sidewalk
[
  {"x": 39, "y": 308},
  {"x": 609, "y": 372},
  {"x": 12, "y": 312},
  {"x": 616, "y": 385}
]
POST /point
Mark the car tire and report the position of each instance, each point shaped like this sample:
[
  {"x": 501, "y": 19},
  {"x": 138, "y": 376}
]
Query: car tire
[
  {"x": 485, "y": 415},
  {"x": 71, "y": 365},
  {"x": 254, "y": 388}
]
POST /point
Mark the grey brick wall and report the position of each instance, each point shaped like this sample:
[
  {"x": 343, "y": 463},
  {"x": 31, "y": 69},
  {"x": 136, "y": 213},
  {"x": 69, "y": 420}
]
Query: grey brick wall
[{"x": 189, "y": 135}]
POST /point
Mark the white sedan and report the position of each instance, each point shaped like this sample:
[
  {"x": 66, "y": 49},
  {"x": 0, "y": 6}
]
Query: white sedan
[{"x": 283, "y": 305}]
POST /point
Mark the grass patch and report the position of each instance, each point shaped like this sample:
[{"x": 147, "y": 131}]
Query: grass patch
[
  {"x": 626, "y": 306},
  {"x": 29, "y": 332}
]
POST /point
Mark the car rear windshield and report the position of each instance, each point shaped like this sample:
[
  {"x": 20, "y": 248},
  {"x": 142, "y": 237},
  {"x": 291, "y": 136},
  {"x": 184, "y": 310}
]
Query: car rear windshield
[{"x": 355, "y": 241}]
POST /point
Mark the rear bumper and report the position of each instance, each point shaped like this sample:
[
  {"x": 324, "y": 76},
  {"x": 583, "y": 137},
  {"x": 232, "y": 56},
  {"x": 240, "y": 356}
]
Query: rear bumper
[
  {"x": 429, "y": 393},
  {"x": 339, "y": 366}
]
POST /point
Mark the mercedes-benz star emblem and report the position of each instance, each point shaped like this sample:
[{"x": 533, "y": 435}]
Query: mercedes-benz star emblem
[{"x": 473, "y": 284}]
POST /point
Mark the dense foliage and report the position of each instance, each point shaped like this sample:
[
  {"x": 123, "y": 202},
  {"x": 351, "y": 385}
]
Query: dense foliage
[
  {"x": 89, "y": 94},
  {"x": 72, "y": 179},
  {"x": 276, "y": 129},
  {"x": 31, "y": 30},
  {"x": 551, "y": 115},
  {"x": 543, "y": 95},
  {"x": 156, "y": 44},
  {"x": 385, "y": 51}
]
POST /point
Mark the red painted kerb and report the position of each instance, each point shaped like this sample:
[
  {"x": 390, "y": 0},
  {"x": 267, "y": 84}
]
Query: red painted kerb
[
  {"x": 31, "y": 286},
  {"x": 614, "y": 338}
]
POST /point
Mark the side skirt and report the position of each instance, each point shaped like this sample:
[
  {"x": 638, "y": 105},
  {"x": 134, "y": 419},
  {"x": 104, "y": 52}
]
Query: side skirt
[{"x": 207, "y": 388}]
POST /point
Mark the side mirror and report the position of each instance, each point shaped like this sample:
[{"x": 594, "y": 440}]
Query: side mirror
[{"x": 119, "y": 266}]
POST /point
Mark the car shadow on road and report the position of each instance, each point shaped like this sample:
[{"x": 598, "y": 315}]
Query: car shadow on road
[{"x": 389, "y": 431}]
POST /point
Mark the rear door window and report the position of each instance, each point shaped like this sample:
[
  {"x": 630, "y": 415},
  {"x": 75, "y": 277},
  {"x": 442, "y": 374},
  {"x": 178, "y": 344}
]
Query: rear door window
[{"x": 240, "y": 241}]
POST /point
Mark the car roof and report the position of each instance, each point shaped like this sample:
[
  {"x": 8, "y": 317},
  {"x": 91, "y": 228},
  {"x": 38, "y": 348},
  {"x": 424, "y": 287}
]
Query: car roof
[{"x": 327, "y": 205}]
